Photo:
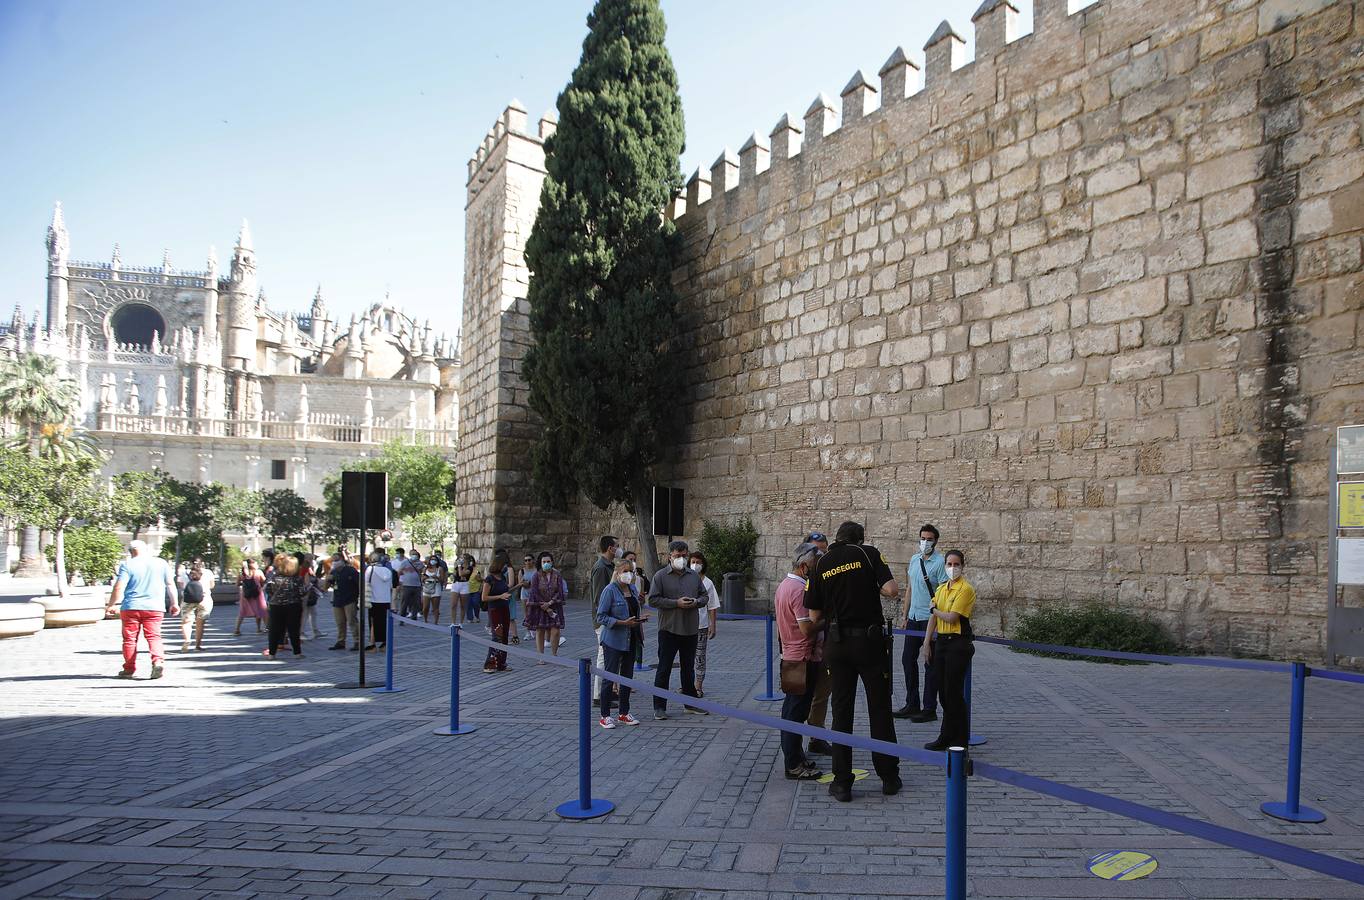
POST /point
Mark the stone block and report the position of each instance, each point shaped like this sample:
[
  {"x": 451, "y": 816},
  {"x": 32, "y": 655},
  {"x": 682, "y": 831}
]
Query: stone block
[
  {"x": 1224, "y": 172},
  {"x": 1129, "y": 301}
]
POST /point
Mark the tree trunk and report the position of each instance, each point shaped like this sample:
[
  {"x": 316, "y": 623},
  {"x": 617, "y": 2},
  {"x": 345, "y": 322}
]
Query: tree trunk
[
  {"x": 31, "y": 562},
  {"x": 59, "y": 539},
  {"x": 644, "y": 525},
  {"x": 136, "y": 529},
  {"x": 175, "y": 565}
]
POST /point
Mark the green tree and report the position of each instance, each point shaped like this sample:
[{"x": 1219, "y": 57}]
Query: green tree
[
  {"x": 40, "y": 399},
  {"x": 601, "y": 368},
  {"x": 191, "y": 506},
  {"x": 139, "y": 498},
  {"x": 321, "y": 529},
  {"x": 729, "y": 548},
  {"x": 92, "y": 551},
  {"x": 52, "y": 493},
  {"x": 433, "y": 528},
  {"x": 285, "y": 513},
  {"x": 418, "y": 476}
]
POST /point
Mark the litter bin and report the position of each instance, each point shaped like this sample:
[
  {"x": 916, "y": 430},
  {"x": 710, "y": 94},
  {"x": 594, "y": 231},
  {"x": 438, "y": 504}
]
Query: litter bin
[{"x": 732, "y": 594}]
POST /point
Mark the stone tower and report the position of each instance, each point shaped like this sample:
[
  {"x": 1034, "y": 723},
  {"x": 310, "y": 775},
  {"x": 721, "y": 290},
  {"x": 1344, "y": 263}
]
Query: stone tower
[
  {"x": 241, "y": 305},
  {"x": 58, "y": 255},
  {"x": 493, "y": 500}
]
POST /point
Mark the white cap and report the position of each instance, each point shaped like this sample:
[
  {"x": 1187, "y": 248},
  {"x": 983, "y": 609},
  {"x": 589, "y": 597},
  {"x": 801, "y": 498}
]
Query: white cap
[{"x": 137, "y": 546}]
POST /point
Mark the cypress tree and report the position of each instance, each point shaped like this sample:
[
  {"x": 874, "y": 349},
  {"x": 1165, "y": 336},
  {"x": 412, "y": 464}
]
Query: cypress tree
[{"x": 602, "y": 306}]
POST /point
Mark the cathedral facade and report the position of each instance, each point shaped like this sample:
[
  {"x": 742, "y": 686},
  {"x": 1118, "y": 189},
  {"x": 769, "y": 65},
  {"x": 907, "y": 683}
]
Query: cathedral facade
[{"x": 190, "y": 371}]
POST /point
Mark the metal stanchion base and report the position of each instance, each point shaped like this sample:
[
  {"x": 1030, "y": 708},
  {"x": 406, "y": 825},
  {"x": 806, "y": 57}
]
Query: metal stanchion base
[
  {"x": 352, "y": 685},
  {"x": 644, "y": 667},
  {"x": 768, "y": 698},
  {"x": 1280, "y": 810},
  {"x": 976, "y": 740},
  {"x": 573, "y": 809},
  {"x": 446, "y": 730},
  {"x": 389, "y": 690}
]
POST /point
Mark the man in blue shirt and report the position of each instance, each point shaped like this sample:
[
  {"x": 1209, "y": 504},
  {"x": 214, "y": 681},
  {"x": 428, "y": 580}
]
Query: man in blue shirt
[
  {"x": 926, "y": 572},
  {"x": 144, "y": 592}
]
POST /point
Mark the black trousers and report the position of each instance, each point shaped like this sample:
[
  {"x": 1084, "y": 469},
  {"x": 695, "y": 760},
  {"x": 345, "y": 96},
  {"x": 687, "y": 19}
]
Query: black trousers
[
  {"x": 282, "y": 618},
  {"x": 378, "y": 623},
  {"x": 847, "y": 661},
  {"x": 951, "y": 659},
  {"x": 672, "y": 646},
  {"x": 910, "y": 662}
]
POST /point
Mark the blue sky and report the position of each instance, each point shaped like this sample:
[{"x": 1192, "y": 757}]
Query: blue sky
[{"x": 342, "y": 129}]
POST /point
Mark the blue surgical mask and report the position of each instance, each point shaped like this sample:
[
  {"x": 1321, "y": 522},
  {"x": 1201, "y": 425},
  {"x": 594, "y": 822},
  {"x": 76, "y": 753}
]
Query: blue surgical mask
[{"x": 546, "y": 565}]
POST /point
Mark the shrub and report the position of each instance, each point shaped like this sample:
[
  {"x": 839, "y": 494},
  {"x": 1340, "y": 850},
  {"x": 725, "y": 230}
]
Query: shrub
[
  {"x": 728, "y": 548},
  {"x": 93, "y": 552},
  {"x": 1093, "y": 625}
]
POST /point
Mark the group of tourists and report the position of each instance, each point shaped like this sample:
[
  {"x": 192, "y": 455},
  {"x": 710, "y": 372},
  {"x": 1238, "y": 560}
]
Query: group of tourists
[
  {"x": 836, "y": 629},
  {"x": 835, "y": 611}
]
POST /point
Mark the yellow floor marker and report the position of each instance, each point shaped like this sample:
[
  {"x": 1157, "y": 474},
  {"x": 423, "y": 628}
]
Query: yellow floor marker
[
  {"x": 858, "y": 775},
  {"x": 1122, "y": 865}
]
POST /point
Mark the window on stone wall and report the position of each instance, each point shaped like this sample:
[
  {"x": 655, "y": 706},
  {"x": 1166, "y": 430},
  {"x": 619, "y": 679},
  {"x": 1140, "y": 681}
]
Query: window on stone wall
[{"x": 278, "y": 470}]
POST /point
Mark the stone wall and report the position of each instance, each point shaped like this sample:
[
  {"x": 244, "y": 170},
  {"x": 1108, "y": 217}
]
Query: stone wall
[{"x": 1090, "y": 303}]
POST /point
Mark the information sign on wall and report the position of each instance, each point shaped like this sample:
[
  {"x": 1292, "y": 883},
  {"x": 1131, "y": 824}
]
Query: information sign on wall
[
  {"x": 1350, "y": 450},
  {"x": 1350, "y": 504}
]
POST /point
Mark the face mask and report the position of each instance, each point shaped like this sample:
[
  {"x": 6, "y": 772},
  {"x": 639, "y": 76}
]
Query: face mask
[
  {"x": 697, "y": 567},
  {"x": 954, "y": 572},
  {"x": 627, "y": 577},
  {"x": 926, "y": 546},
  {"x": 619, "y": 553},
  {"x": 679, "y": 563},
  {"x": 546, "y": 565}
]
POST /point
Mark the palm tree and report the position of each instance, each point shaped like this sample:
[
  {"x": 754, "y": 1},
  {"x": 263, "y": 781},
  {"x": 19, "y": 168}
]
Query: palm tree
[{"x": 39, "y": 399}]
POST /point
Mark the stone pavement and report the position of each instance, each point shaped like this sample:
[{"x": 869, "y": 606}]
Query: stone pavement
[{"x": 236, "y": 776}]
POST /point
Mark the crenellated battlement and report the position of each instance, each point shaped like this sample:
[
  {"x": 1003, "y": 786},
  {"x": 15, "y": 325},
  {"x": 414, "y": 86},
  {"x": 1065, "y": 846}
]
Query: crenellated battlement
[
  {"x": 906, "y": 90},
  {"x": 512, "y": 124}
]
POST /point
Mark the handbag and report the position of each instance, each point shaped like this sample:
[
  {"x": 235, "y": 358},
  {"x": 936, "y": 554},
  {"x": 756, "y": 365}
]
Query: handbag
[{"x": 794, "y": 676}]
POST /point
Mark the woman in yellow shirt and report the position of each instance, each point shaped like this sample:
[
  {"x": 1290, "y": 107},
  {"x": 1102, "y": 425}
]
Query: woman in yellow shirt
[{"x": 949, "y": 648}]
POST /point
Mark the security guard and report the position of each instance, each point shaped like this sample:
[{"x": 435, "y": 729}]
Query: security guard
[{"x": 844, "y": 590}]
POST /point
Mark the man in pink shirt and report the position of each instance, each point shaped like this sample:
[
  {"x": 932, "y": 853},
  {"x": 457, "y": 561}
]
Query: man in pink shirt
[{"x": 801, "y": 641}]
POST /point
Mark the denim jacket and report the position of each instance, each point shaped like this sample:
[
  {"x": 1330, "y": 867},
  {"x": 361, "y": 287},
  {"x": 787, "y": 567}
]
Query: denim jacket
[{"x": 611, "y": 608}]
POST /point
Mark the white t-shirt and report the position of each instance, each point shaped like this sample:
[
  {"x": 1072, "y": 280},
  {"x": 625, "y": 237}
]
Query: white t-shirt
[
  {"x": 378, "y": 584},
  {"x": 712, "y": 603}
]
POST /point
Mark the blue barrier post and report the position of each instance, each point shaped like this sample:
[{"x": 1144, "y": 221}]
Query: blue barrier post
[
  {"x": 955, "y": 825},
  {"x": 768, "y": 695},
  {"x": 585, "y": 807},
  {"x": 1291, "y": 810},
  {"x": 454, "y": 727},
  {"x": 391, "y": 632},
  {"x": 974, "y": 739}
]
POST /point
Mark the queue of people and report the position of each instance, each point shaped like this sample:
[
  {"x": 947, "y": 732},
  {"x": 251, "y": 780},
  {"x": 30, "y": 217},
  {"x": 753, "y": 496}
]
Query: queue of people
[{"x": 835, "y": 611}]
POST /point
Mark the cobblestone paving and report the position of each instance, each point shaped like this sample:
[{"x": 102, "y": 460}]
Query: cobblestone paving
[{"x": 236, "y": 776}]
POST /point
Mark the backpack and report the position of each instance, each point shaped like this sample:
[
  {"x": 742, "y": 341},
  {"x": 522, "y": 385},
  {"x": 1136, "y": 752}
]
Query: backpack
[
  {"x": 250, "y": 588},
  {"x": 193, "y": 592}
]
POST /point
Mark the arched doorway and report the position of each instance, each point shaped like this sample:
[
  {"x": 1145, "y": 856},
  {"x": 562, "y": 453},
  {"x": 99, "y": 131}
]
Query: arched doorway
[{"x": 135, "y": 323}]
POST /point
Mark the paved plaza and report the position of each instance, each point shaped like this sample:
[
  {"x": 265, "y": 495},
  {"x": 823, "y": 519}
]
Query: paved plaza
[{"x": 236, "y": 776}]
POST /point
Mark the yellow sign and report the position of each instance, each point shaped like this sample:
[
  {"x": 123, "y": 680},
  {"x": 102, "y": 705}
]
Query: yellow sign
[
  {"x": 1350, "y": 504},
  {"x": 1122, "y": 865},
  {"x": 858, "y": 775}
]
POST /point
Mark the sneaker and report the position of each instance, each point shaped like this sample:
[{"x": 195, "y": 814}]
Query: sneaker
[
  {"x": 906, "y": 712},
  {"x": 339, "y": 645},
  {"x": 820, "y": 747},
  {"x": 840, "y": 792},
  {"x": 806, "y": 772},
  {"x": 626, "y": 719},
  {"x": 926, "y": 715},
  {"x": 185, "y": 648},
  {"x": 157, "y": 672},
  {"x": 562, "y": 640},
  {"x": 607, "y": 722},
  {"x": 660, "y": 715},
  {"x": 892, "y": 787},
  {"x": 696, "y": 711},
  {"x": 125, "y": 674},
  {"x": 488, "y": 670},
  {"x": 936, "y": 745}
]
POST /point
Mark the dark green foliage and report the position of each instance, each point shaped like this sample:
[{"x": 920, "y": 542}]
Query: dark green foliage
[
  {"x": 418, "y": 476},
  {"x": 93, "y": 552},
  {"x": 728, "y": 549},
  {"x": 285, "y": 513},
  {"x": 1093, "y": 625},
  {"x": 205, "y": 543},
  {"x": 602, "y": 370},
  {"x": 138, "y": 499}
]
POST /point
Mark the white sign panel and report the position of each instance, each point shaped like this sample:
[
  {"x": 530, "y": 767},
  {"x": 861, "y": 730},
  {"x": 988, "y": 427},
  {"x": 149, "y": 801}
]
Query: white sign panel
[
  {"x": 1350, "y": 565},
  {"x": 1350, "y": 450}
]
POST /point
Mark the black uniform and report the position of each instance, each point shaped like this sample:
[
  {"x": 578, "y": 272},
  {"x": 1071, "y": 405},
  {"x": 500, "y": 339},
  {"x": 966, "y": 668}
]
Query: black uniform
[{"x": 846, "y": 587}]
